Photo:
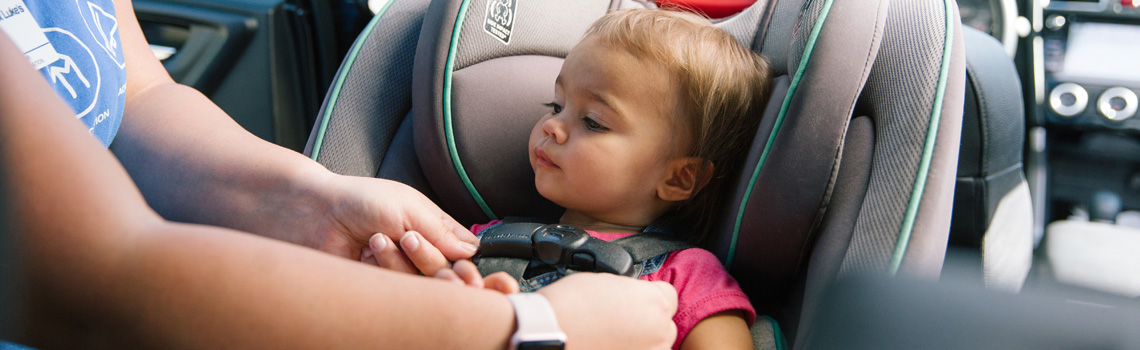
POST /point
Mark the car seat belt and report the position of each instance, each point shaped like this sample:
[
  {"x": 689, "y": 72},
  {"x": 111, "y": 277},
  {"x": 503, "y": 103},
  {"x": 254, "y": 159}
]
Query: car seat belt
[{"x": 513, "y": 247}]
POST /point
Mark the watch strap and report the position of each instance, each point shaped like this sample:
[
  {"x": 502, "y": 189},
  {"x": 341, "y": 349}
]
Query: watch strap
[{"x": 537, "y": 325}]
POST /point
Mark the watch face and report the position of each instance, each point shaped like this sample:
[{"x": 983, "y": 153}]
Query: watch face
[{"x": 541, "y": 345}]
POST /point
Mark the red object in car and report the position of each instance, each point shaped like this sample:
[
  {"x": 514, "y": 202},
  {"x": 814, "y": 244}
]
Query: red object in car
[{"x": 711, "y": 8}]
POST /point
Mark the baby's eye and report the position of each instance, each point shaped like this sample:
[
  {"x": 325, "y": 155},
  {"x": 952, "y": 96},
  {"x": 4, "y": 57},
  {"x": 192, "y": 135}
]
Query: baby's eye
[
  {"x": 593, "y": 125},
  {"x": 555, "y": 107}
]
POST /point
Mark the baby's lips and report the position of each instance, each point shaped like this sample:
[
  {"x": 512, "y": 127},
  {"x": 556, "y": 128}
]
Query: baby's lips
[{"x": 542, "y": 159}]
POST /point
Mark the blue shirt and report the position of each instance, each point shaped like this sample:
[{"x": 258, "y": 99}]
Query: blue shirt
[{"x": 90, "y": 74}]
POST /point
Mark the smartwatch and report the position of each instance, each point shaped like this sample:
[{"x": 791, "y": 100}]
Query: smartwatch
[{"x": 537, "y": 326}]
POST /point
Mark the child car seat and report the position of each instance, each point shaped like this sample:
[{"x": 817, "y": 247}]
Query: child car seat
[{"x": 852, "y": 169}]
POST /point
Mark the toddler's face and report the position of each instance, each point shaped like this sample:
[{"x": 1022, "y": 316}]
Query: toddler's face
[{"x": 605, "y": 145}]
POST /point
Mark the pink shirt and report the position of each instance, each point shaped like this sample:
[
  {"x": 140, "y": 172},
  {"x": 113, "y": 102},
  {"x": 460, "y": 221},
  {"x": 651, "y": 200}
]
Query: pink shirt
[{"x": 703, "y": 286}]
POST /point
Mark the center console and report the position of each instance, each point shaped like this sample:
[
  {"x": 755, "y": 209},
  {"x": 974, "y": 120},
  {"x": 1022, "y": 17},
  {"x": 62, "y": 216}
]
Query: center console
[
  {"x": 1092, "y": 63},
  {"x": 1086, "y": 138},
  {"x": 1086, "y": 62}
]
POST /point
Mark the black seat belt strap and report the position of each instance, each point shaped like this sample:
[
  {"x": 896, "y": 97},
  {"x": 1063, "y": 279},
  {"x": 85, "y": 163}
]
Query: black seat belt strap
[
  {"x": 513, "y": 266},
  {"x": 642, "y": 246}
]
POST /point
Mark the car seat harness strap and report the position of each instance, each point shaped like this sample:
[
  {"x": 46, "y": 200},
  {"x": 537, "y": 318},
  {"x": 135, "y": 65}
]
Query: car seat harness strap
[{"x": 538, "y": 254}]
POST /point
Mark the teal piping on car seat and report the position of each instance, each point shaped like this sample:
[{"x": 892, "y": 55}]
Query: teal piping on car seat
[
  {"x": 777, "y": 335},
  {"x": 447, "y": 124},
  {"x": 808, "y": 48},
  {"x": 342, "y": 74},
  {"x": 928, "y": 150}
]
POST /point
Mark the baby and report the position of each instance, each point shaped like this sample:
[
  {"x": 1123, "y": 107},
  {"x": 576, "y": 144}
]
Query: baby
[{"x": 653, "y": 110}]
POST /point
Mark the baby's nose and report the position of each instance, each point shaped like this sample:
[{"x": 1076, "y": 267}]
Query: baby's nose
[{"x": 555, "y": 128}]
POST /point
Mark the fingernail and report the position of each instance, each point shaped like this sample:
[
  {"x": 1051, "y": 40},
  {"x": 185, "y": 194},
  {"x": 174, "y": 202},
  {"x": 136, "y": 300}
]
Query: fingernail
[
  {"x": 367, "y": 253},
  {"x": 410, "y": 241},
  {"x": 468, "y": 247},
  {"x": 377, "y": 242}
]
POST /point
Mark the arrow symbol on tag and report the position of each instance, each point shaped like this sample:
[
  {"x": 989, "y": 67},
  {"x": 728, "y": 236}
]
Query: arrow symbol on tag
[{"x": 57, "y": 74}]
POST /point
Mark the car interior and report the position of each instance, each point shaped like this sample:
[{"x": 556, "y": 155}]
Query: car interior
[{"x": 980, "y": 153}]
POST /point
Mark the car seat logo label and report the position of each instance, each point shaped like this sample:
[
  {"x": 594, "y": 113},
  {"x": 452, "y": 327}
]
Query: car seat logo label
[{"x": 499, "y": 19}]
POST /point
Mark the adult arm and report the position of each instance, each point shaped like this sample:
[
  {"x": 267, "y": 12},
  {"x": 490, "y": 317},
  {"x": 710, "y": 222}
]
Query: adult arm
[
  {"x": 194, "y": 164},
  {"x": 99, "y": 268}
]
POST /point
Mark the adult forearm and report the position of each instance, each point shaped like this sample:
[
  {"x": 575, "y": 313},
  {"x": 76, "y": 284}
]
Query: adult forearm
[
  {"x": 195, "y": 164},
  {"x": 100, "y": 269},
  {"x": 221, "y": 289}
]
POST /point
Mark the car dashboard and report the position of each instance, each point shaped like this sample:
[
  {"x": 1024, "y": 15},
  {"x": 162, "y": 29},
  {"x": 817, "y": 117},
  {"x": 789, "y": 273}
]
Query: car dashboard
[{"x": 1077, "y": 61}]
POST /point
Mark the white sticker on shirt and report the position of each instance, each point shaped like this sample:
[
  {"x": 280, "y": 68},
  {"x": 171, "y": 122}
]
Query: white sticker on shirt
[{"x": 18, "y": 23}]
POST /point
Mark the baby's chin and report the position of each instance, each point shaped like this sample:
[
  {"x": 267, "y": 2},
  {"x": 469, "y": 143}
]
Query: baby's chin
[{"x": 548, "y": 196}]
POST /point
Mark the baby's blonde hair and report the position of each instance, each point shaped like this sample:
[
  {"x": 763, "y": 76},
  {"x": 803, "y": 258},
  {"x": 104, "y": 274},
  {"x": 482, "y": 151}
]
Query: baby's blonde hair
[{"x": 725, "y": 87}]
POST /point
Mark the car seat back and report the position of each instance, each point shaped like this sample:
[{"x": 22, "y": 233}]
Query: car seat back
[
  {"x": 887, "y": 205},
  {"x": 851, "y": 169}
]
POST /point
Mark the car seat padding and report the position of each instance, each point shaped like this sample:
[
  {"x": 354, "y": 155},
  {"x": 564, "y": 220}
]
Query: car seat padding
[
  {"x": 453, "y": 47},
  {"x": 386, "y": 49},
  {"x": 896, "y": 92},
  {"x": 788, "y": 187},
  {"x": 836, "y": 229},
  {"x": 503, "y": 174}
]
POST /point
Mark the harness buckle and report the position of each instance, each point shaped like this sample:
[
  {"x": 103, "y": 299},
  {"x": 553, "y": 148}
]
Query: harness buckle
[{"x": 561, "y": 246}]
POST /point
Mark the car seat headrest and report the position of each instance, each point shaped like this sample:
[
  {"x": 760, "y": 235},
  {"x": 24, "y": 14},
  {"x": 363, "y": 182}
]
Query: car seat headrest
[{"x": 484, "y": 69}]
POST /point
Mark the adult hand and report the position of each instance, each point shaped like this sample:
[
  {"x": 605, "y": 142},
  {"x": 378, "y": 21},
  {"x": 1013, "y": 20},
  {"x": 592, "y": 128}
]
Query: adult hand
[
  {"x": 414, "y": 255},
  {"x": 604, "y": 311},
  {"x": 464, "y": 272},
  {"x": 368, "y": 212}
]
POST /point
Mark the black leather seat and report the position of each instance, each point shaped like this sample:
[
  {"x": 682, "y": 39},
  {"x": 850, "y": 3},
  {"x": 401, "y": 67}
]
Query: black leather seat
[{"x": 991, "y": 236}]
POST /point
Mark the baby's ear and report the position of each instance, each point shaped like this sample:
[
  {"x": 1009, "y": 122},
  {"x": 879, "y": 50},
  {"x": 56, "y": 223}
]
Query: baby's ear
[{"x": 686, "y": 177}]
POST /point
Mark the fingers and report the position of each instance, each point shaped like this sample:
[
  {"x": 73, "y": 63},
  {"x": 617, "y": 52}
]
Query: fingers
[
  {"x": 670, "y": 299},
  {"x": 669, "y": 294},
  {"x": 502, "y": 282},
  {"x": 367, "y": 257},
  {"x": 388, "y": 256},
  {"x": 448, "y": 275},
  {"x": 450, "y": 238},
  {"x": 464, "y": 272},
  {"x": 415, "y": 254},
  {"x": 423, "y": 254},
  {"x": 499, "y": 281},
  {"x": 467, "y": 271}
]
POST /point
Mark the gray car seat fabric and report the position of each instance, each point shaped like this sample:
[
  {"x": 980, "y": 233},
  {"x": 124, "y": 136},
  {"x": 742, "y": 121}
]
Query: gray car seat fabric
[
  {"x": 431, "y": 97},
  {"x": 993, "y": 214},
  {"x": 374, "y": 80},
  {"x": 885, "y": 208},
  {"x": 914, "y": 96}
]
